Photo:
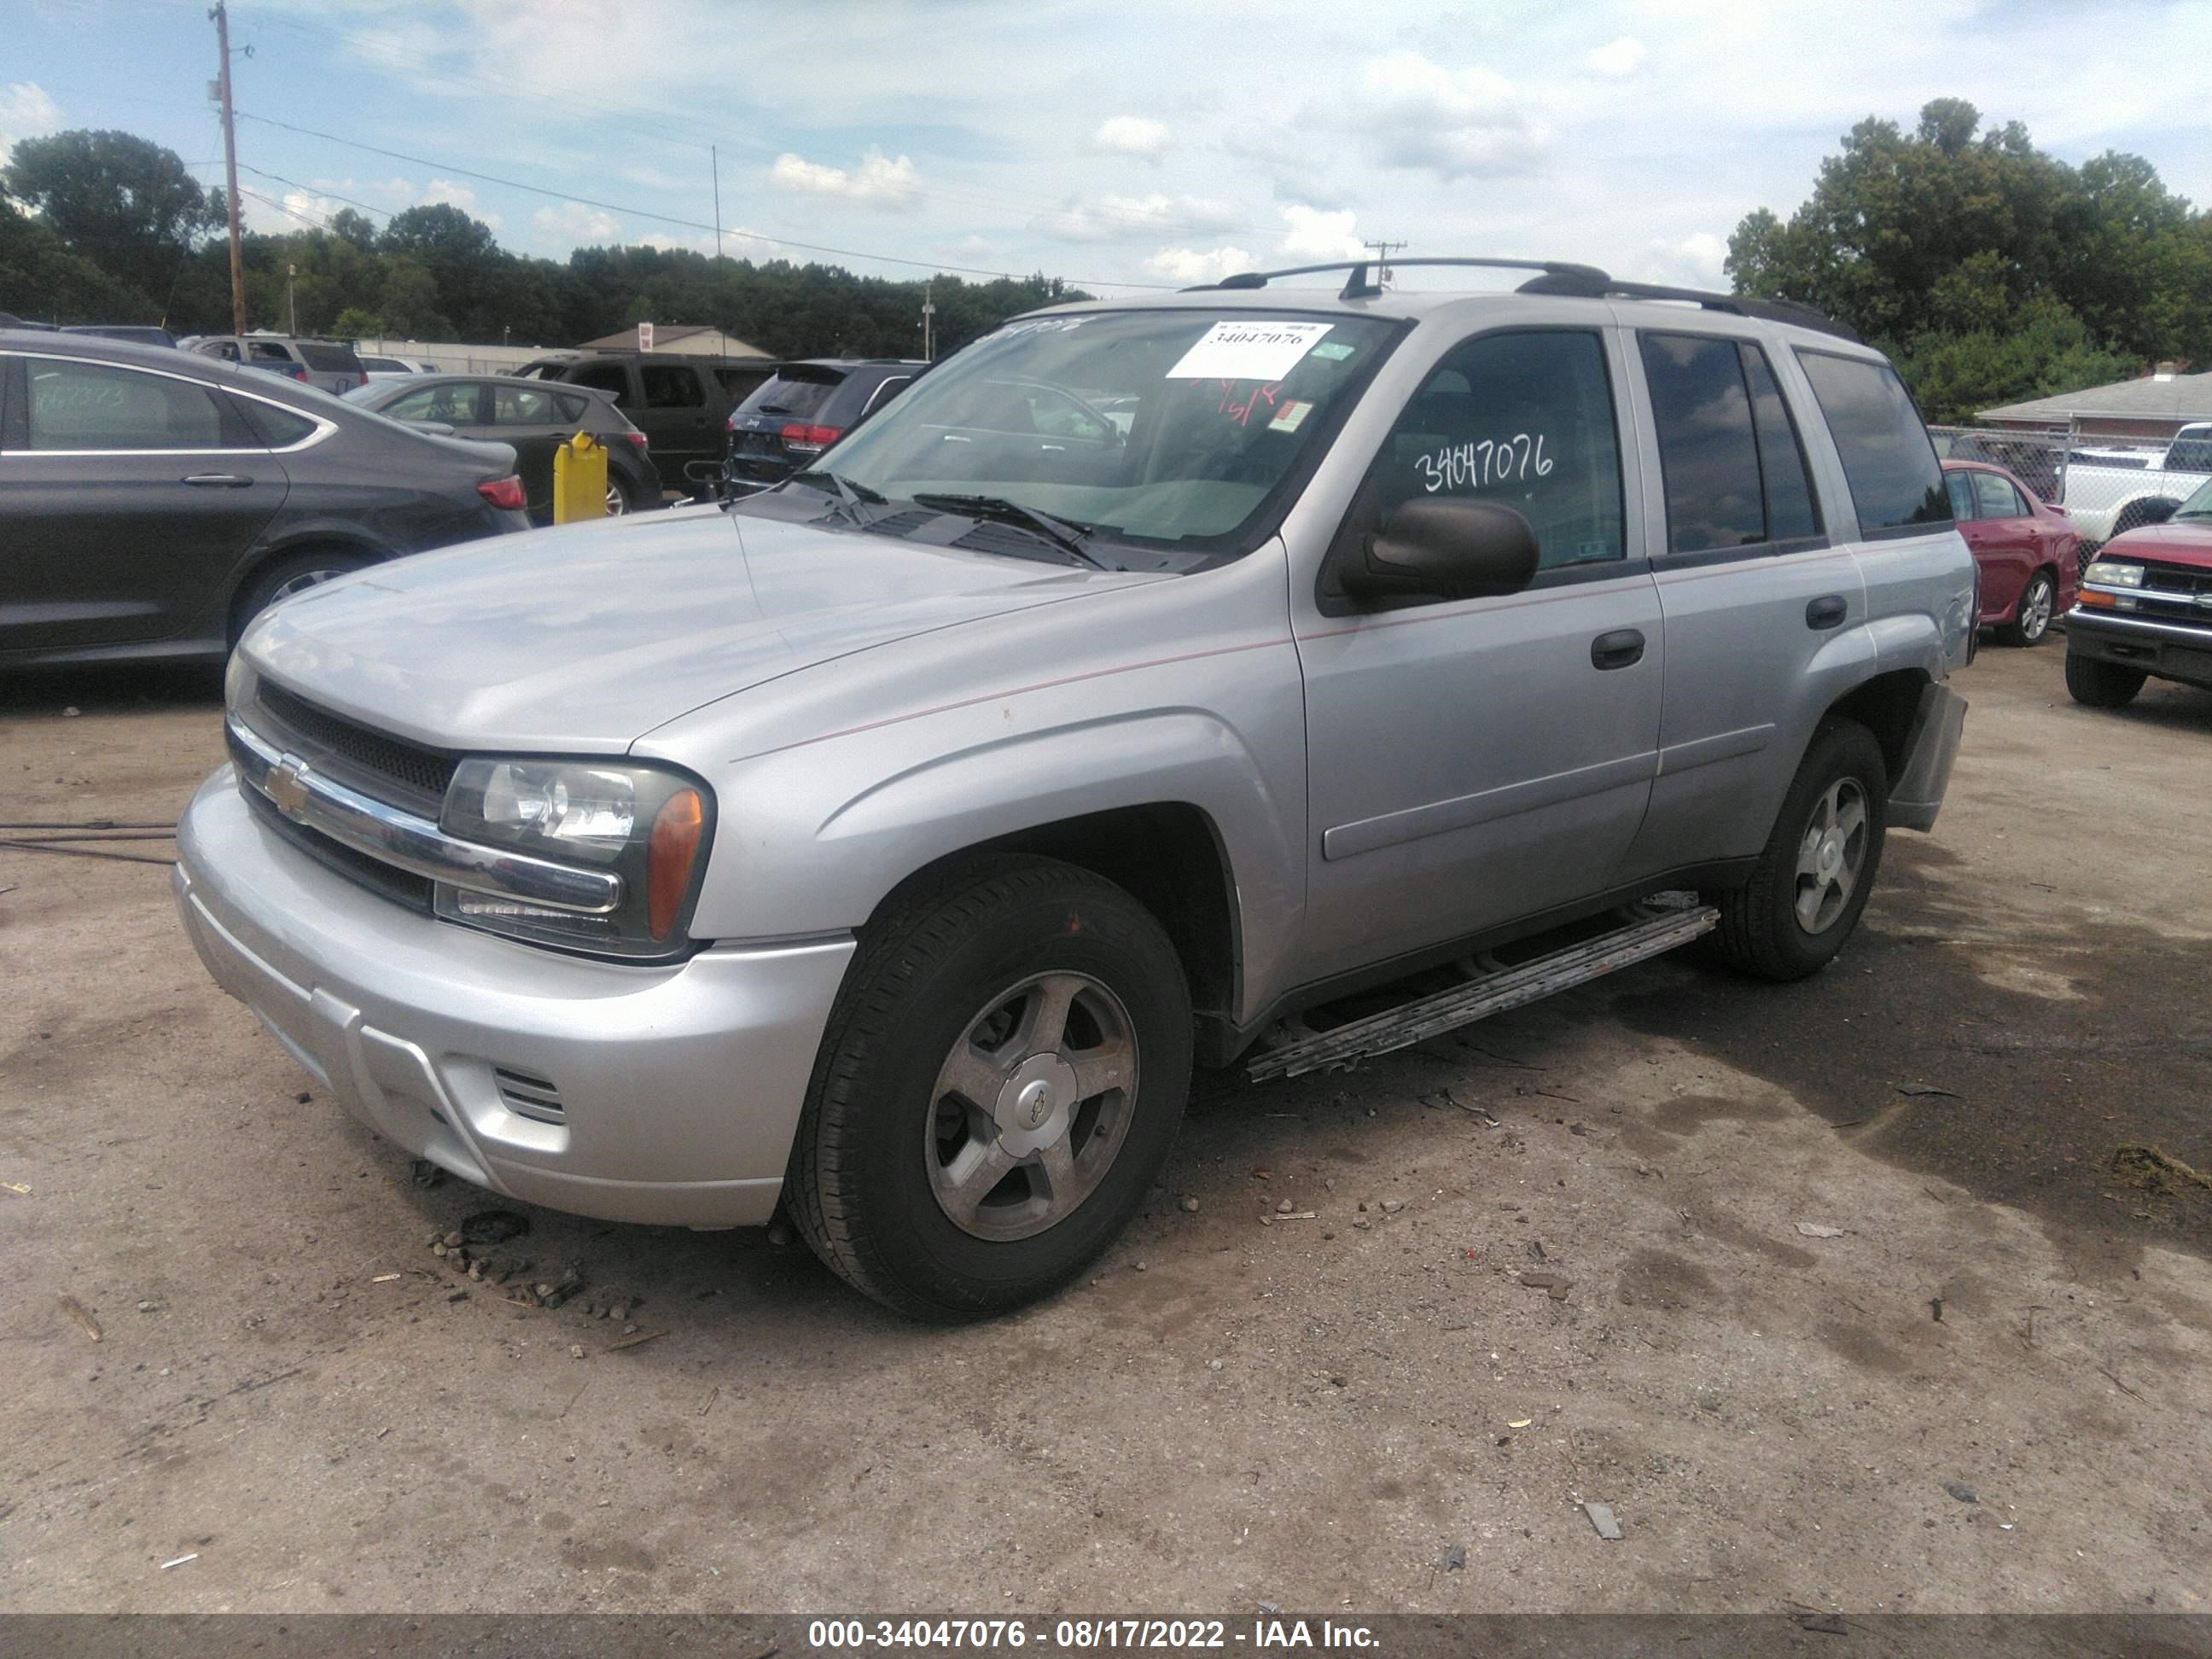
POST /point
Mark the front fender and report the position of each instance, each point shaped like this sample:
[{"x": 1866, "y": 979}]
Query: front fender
[{"x": 812, "y": 838}]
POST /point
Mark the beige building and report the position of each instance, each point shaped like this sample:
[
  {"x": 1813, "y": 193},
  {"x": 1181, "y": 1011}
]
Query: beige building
[{"x": 685, "y": 339}]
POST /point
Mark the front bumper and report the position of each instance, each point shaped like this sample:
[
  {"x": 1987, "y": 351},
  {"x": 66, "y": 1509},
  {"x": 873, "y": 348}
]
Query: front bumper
[
  {"x": 675, "y": 1090},
  {"x": 2168, "y": 650}
]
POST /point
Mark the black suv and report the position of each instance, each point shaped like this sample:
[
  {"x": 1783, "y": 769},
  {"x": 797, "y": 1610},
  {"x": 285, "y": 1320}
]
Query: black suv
[
  {"x": 790, "y": 420},
  {"x": 677, "y": 401}
]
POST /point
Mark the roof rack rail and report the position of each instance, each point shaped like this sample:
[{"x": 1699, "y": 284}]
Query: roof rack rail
[
  {"x": 1557, "y": 276},
  {"x": 1356, "y": 287},
  {"x": 1599, "y": 286}
]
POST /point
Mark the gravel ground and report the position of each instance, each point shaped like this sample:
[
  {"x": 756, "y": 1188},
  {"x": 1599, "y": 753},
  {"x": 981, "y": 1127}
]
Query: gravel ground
[{"x": 1817, "y": 1341}]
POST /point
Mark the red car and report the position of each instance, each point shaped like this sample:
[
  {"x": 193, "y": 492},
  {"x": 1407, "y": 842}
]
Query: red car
[
  {"x": 2146, "y": 610},
  {"x": 2028, "y": 553}
]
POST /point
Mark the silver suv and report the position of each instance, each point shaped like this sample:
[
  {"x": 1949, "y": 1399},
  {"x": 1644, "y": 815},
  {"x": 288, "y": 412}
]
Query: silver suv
[{"x": 890, "y": 845}]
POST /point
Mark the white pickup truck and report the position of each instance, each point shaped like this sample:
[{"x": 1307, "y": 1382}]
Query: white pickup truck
[{"x": 2108, "y": 492}]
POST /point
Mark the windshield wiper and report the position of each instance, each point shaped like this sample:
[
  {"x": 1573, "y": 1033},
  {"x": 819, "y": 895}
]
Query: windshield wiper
[
  {"x": 848, "y": 492},
  {"x": 1063, "y": 533}
]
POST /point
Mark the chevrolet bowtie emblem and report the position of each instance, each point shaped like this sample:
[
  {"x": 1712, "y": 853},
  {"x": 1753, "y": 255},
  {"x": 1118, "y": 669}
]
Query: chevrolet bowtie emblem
[{"x": 287, "y": 785}]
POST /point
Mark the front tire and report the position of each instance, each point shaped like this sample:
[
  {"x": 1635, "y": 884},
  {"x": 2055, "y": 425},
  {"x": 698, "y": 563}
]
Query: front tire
[
  {"x": 1000, "y": 1083},
  {"x": 2031, "y": 619},
  {"x": 2102, "y": 685},
  {"x": 1819, "y": 865}
]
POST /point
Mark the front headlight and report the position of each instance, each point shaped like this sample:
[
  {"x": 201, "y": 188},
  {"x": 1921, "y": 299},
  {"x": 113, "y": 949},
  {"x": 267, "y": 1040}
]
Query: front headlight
[
  {"x": 647, "y": 824},
  {"x": 2112, "y": 573}
]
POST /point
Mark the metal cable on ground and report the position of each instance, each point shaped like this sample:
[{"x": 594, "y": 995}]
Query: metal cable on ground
[
  {"x": 92, "y": 823},
  {"x": 80, "y": 852}
]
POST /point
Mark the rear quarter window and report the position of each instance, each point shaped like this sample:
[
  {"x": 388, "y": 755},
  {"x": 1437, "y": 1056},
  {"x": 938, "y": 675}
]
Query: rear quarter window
[
  {"x": 329, "y": 358},
  {"x": 1896, "y": 482}
]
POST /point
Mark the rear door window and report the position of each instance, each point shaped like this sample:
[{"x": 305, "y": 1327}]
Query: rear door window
[
  {"x": 1896, "y": 483},
  {"x": 2190, "y": 455},
  {"x": 1791, "y": 510},
  {"x": 1960, "y": 486},
  {"x": 1708, "y": 451},
  {"x": 668, "y": 385},
  {"x": 1997, "y": 498},
  {"x": 97, "y": 406},
  {"x": 518, "y": 405},
  {"x": 612, "y": 377},
  {"x": 268, "y": 351}
]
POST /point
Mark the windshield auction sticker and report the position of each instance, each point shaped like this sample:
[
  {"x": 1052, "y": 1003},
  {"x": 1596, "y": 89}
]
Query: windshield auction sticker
[{"x": 1247, "y": 351}]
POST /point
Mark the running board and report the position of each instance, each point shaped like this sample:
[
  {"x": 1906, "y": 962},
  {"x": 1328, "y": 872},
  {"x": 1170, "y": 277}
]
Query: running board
[{"x": 1681, "y": 920}]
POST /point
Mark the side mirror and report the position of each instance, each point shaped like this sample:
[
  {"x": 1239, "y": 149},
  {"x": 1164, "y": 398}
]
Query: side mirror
[{"x": 1446, "y": 547}]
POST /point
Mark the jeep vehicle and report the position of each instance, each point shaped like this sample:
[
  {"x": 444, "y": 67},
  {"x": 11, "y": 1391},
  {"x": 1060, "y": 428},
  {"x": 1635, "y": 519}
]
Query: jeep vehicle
[
  {"x": 2145, "y": 610},
  {"x": 888, "y": 845},
  {"x": 800, "y": 411}
]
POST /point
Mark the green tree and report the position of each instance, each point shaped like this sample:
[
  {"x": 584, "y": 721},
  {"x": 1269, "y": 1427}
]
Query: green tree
[
  {"x": 1989, "y": 269},
  {"x": 122, "y": 202}
]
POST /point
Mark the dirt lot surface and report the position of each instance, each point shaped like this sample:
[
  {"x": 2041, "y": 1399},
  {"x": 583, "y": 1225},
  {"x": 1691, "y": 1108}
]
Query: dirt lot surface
[{"x": 1753, "y": 1230}]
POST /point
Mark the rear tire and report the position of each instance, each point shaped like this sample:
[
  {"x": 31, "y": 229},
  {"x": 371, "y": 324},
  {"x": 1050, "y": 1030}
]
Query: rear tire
[
  {"x": 2031, "y": 618},
  {"x": 1813, "y": 877},
  {"x": 2102, "y": 685},
  {"x": 294, "y": 573},
  {"x": 1000, "y": 1083}
]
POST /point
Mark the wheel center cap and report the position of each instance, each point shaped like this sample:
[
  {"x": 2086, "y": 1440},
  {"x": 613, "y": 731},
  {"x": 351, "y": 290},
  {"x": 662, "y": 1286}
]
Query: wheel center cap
[
  {"x": 1033, "y": 1107},
  {"x": 1832, "y": 855},
  {"x": 1034, "y": 1103}
]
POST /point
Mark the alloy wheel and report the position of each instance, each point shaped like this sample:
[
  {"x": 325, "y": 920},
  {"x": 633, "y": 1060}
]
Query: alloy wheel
[
  {"x": 1831, "y": 854},
  {"x": 1031, "y": 1107}
]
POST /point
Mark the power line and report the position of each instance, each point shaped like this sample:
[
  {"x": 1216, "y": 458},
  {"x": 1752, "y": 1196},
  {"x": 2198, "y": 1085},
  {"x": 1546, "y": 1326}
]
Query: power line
[{"x": 661, "y": 218}]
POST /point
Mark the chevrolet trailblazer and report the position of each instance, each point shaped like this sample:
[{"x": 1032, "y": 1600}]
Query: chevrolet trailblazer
[{"x": 890, "y": 845}]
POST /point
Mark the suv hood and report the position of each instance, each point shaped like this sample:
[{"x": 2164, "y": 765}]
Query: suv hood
[
  {"x": 2189, "y": 542},
  {"x": 585, "y": 638}
]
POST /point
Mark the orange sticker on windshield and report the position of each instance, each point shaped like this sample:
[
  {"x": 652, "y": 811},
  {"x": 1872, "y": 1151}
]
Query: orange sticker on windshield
[{"x": 1290, "y": 418}]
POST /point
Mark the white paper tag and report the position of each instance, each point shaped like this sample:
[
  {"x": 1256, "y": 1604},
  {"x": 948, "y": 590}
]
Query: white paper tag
[{"x": 1256, "y": 350}]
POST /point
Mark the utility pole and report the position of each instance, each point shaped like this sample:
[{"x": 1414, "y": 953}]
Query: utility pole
[
  {"x": 1382, "y": 260},
  {"x": 230, "y": 171},
  {"x": 928, "y": 318},
  {"x": 292, "y": 299},
  {"x": 713, "y": 157}
]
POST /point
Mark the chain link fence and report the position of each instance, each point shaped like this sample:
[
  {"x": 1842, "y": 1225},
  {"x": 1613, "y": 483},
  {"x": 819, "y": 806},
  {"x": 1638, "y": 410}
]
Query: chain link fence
[{"x": 2106, "y": 485}]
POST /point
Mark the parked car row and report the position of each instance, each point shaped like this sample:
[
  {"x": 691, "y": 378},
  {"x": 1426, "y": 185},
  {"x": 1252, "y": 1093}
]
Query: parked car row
[
  {"x": 2145, "y": 611},
  {"x": 532, "y": 417},
  {"x": 155, "y": 501}
]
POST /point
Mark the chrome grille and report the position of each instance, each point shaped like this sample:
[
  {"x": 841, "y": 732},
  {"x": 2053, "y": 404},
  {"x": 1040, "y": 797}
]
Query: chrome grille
[{"x": 388, "y": 767}]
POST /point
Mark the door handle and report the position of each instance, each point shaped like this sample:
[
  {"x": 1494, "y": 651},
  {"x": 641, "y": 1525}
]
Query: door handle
[
  {"x": 1621, "y": 648},
  {"x": 1826, "y": 611},
  {"x": 219, "y": 480}
]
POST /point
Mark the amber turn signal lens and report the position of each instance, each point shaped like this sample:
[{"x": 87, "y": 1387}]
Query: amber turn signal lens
[
  {"x": 2102, "y": 601},
  {"x": 669, "y": 855}
]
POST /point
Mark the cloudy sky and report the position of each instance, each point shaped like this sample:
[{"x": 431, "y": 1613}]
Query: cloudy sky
[{"x": 1117, "y": 145}]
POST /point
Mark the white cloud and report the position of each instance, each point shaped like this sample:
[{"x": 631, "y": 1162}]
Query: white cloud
[
  {"x": 26, "y": 111},
  {"x": 1456, "y": 124},
  {"x": 1111, "y": 217},
  {"x": 1189, "y": 264},
  {"x": 878, "y": 181},
  {"x": 738, "y": 243},
  {"x": 574, "y": 225},
  {"x": 1132, "y": 135},
  {"x": 1617, "y": 60},
  {"x": 1312, "y": 233},
  {"x": 1692, "y": 261}
]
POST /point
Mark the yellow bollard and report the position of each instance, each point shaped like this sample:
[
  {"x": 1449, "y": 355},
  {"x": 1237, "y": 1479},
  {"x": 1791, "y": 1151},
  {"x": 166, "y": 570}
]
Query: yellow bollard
[{"x": 580, "y": 480}]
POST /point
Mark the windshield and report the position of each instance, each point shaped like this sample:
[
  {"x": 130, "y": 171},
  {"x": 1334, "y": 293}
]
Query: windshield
[
  {"x": 2199, "y": 505},
  {"x": 1162, "y": 427}
]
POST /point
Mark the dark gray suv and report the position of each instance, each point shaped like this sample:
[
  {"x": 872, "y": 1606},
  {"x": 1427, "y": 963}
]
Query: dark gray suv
[
  {"x": 789, "y": 420},
  {"x": 152, "y": 502}
]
